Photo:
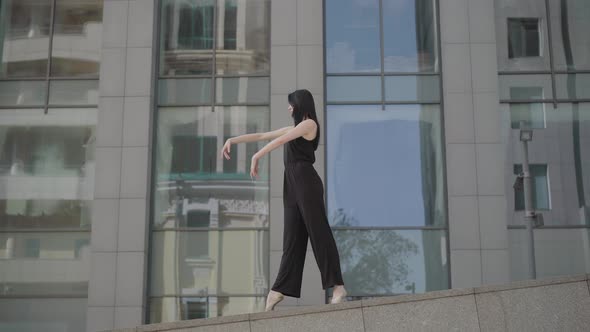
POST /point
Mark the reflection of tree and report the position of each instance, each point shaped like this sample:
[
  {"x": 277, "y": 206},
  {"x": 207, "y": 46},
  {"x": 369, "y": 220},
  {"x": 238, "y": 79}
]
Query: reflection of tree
[{"x": 373, "y": 262}]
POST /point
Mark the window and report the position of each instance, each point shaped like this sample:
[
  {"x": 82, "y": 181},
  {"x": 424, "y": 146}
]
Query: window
[
  {"x": 523, "y": 38},
  {"x": 32, "y": 248},
  {"x": 383, "y": 83},
  {"x": 197, "y": 246},
  {"x": 201, "y": 201},
  {"x": 195, "y": 29},
  {"x": 540, "y": 187},
  {"x": 198, "y": 218},
  {"x": 196, "y": 308},
  {"x": 533, "y": 114},
  {"x": 410, "y": 138},
  {"x": 229, "y": 26}
]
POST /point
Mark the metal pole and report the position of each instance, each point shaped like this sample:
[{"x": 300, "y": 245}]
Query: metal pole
[{"x": 529, "y": 215}]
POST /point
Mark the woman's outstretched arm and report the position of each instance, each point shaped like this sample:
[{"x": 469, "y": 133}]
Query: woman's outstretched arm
[
  {"x": 252, "y": 138},
  {"x": 303, "y": 128}
]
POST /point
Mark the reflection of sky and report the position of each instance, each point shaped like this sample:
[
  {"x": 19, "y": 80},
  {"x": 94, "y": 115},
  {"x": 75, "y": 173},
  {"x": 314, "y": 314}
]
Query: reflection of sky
[
  {"x": 374, "y": 165},
  {"x": 399, "y": 27},
  {"x": 352, "y": 35}
]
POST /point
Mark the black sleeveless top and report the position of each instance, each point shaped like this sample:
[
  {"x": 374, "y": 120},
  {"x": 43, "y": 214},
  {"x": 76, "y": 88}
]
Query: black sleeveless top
[{"x": 299, "y": 150}]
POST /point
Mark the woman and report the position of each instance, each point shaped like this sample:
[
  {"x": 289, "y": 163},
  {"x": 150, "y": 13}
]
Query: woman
[{"x": 303, "y": 191}]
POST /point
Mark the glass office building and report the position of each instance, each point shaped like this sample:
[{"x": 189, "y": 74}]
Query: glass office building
[{"x": 117, "y": 210}]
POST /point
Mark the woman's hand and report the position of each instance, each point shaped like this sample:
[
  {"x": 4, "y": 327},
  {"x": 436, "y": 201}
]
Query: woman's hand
[
  {"x": 226, "y": 149},
  {"x": 254, "y": 167}
]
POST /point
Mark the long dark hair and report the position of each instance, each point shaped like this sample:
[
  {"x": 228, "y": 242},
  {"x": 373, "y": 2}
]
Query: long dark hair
[{"x": 304, "y": 106}]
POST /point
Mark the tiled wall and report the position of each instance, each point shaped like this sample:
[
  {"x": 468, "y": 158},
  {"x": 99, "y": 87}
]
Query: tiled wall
[
  {"x": 118, "y": 263},
  {"x": 474, "y": 152}
]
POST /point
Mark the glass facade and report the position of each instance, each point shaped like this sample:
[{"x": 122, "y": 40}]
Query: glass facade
[
  {"x": 547, "y": 90},
  {"x": 209, "y": 247},
  {"x": 209, "y": 235},
  {"x": 48, "y": 114},
  {"x": 383, "y": 91}
]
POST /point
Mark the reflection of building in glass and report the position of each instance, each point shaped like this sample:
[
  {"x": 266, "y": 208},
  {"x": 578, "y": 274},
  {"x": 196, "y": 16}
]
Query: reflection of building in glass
[
  {"x": 75, "y": 40},
  {"x": 47, "y": 160},
  {"x": 202, "y": 202},
  {"x": 537, "y": 89},
  {"x": 207, "y": 261},
  {"x": 46, "y": 189},
  {"x": 240, "y": 44},
  {"x": 211, "y": 221}
]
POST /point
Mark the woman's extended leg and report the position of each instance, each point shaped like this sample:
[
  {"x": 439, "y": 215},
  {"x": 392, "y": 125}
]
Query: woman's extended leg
[{"x": 288, "y": 281}]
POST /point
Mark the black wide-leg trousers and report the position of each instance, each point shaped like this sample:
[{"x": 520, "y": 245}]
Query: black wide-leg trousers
[{"x": 305, "y": 216}]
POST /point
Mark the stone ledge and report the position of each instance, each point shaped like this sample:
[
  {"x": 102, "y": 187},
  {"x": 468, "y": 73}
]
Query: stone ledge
[
  {"x": 531, "y": 283},
  {"x": 306, "y": 310},
  {"x": 417, "y": 297},
  {"x": 369, "y": 304},
  {"x": 187, "y": 324}
]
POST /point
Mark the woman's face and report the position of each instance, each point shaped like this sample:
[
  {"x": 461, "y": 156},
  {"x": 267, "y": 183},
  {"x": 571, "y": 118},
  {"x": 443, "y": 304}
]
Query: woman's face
[{"x": 290, "y": 109}]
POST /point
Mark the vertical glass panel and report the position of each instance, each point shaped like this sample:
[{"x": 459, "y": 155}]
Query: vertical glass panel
[
  {"x": 573, "y": 86},
  {"x": 23, "y": 93},
  {"x": 353, "y": 88},
  {"x": 73, "y": 92},
  {"x": 392, "y": 262},
  {"x": 570, "y": 23},
  {"x": 191, "y": 175},
  {"x": 521, "y": 35},
  {"x": 211, "y": 262},
  {"x": 77, "y": 38},
  {"x": 186, "y": 37},
  {"x": 525, "y": 87},
  {"x": 540, "y": 188},
  {"x": 563, "y": 145},
  {"x": 412, "y": 88},
  {"x": 171, "y": 309},
  {"x": 186, "y": 91},
  {"x": 254, "y": 90},
  {"x": 558, "y": 252},
  {"x": 25, "y": 27},
  {"x": 42, "y": 314},
  {"x": 243, "y": 37},
  {"x": 352, "y": 36},
  {"x": 404, "y": 179},
  {"x": 409, "y": 36}
]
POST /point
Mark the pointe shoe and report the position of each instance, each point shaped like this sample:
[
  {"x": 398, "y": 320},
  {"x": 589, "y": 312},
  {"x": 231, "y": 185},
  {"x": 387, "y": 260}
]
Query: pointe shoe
[
  {"x": 340, "y": 298},
  {"x": 273, "y": 298}
]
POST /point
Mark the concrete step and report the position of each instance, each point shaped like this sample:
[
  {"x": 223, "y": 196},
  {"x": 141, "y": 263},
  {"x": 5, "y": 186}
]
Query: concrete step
[{"x": 553, "y": 304}]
